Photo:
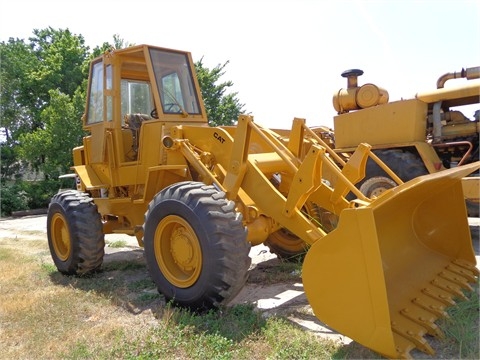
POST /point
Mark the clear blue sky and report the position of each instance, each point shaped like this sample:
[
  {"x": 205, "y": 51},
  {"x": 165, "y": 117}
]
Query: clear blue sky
[{"x": 285, "y": 56}]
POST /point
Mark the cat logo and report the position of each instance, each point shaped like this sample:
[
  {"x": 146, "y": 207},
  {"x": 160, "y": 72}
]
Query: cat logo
[{"x": 218, "y": 137}]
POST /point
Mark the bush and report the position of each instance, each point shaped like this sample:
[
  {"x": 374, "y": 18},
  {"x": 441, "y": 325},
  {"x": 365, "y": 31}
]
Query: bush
[
  {"x": 39, "y": 193},
  {"x": 26, "y": 195},
  {"x": 12, "y": 198}
]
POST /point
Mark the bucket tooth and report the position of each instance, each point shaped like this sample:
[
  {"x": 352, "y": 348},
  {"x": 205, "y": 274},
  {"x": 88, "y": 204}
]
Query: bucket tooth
[
  {"x": 449, "y": 286},
  {"x": 413, "y": 333},
  {"x": 438, "y": 294},
  {"x": 403, "y": 347},
  {"x": 467, "y": 265},
  {"x": 462, "y": 271},
  {"x": 437, "y": 309},
  {"x": 423, "y": 318},
  {"x": 454, "y": 278}
]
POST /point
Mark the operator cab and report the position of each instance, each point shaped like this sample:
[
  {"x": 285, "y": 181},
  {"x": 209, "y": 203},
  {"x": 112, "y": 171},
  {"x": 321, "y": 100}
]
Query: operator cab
[
  {"x": 171, "y": 77},
  {"x": 131, "y": 86}
]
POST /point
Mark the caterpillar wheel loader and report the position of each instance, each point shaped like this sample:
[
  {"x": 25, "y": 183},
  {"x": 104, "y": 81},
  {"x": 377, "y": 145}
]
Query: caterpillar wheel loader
[
  {"x": 434, "y": 131},
  {"x": 198, "y": 197}
]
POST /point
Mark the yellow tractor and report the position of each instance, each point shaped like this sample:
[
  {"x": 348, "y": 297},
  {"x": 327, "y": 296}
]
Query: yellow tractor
[
  {"x": 379, "y": 270},
  {"x": 434, "y": 131}
]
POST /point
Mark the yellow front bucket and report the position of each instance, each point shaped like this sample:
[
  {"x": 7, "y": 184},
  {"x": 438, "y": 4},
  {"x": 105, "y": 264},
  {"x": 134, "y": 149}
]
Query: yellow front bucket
[{"x": 390, "y": 269}]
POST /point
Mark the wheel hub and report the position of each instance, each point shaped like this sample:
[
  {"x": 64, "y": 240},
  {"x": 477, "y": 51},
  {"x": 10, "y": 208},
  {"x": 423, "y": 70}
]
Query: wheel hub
[
  {"x": 375, "y": 186},
  {"x": 61, "y": 237},
  {"x": 177, "y": 250},
  {"x": 181, "y": 249}
]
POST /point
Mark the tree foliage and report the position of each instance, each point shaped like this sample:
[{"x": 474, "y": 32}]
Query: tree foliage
[
  {"x": 41, "y": 102},
  {"x": 53, "y": 60},
  {"x": 222, "y": 108},
  {"x": 61, "y": 131},
  {"x": 16, "y": 109}
]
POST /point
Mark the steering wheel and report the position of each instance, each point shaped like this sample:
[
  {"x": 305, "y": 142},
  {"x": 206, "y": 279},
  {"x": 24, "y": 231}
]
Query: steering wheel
[{"x": 154, "y": 113}]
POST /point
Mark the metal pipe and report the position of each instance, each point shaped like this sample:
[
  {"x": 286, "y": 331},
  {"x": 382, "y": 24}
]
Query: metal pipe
[
  {"x": 457, "y": 143},
  {"x": 469, "y": 73},
  {"x": 448, "y": 76}
]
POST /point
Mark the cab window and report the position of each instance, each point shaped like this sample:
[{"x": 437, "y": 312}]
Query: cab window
[
  {"x": 175, "y": 82},
  {"x": 95, "y": 99},
  {"x": 136, "y": 97}
]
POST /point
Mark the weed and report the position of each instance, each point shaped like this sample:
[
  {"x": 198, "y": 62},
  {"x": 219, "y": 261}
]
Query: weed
[
  {"x": 123, "y": 266},
  {"x": 141, "y": 284},
  {"x": 148, "y": 296},
  {"x": 276, "y": 271},
  {"x": 461, "y": 329},
  {"x": 233, "y": 323},
  {"x": 48, "y": 269},
  {"x": 117, "y": 244}
]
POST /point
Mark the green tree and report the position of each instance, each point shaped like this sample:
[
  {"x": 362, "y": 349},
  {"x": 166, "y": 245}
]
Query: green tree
[
  {"x": 60, "y": 56},
  {"x": 41, "y": 102},
  {"x": 53, "y": 59},
  {"x": 222, "y": 108},
  {"x": 16, "y": 62},
  {"x": 62, "y": 131}
]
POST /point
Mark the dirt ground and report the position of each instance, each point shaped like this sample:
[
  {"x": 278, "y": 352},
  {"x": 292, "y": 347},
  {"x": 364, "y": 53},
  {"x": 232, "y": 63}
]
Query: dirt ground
[{"x": 286, "y": 298}]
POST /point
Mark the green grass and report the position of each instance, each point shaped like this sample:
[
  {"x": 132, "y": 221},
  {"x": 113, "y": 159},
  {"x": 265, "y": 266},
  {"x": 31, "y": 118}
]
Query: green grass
[
  {"x": 117, "y": 244},
  {"x": 280, "y": 271},
  {"x": 239, "y": 332},
  {"x": 461, "y": 329}
]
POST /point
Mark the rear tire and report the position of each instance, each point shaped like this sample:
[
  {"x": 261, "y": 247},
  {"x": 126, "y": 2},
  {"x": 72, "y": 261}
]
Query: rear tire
[
  {"x": 287, "y": 246},
  {"x": 74, "y": 231},
  {"x": 195, "y": 246},
  {"x": 405, "y": 165},
  {"x": 473, "y": 208}
]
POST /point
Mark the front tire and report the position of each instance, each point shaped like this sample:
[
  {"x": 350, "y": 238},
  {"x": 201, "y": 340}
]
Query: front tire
[
  {"x": 74, "y": 231},
  {"x": 195, "y": 246}
]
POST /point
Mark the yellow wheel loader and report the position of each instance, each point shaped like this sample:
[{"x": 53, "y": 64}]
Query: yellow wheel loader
[
  {"x": 379, "y": 270},
  {"x": 434, "y": 131}
]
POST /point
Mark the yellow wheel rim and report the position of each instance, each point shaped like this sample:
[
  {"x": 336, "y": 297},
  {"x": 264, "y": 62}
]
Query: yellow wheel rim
[
  {"x": 60, "y": 237},
  {"x": 178, "y": 251},
  {"x": 287, "y": 241}
]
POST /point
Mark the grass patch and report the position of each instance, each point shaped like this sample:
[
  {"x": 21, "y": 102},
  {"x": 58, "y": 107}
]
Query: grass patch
[
  {"x": 149, "y": 296},
  {"x": 141, "y": 284},
  {"x": 239, "y": 332},
  {"x": 234, "y": 323},
  {"x": 289, "y": 342},
  {"x": 7, "y": 254},
  {"x": 461, "y": 329},
  {"x": 48, "y": 268},
  {"x": 117, "y": 244},
  {"x": 123, "y": 265},
  {"x": 276, "y": 271}
]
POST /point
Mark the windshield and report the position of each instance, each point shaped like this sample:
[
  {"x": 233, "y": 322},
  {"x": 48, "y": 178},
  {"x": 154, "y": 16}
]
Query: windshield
[{"x": 175, "y": 83}]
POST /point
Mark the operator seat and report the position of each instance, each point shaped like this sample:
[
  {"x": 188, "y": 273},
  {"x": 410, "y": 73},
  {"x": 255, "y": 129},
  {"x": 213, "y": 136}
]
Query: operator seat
[{"x": 134, "y": 123}]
